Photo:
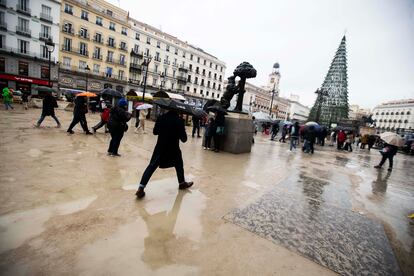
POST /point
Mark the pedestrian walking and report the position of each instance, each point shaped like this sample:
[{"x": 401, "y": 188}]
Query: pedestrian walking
[
  {"x": 275, "y": 130},
  {"x": 209, "y": 133},
  {"x": 142, "y": 117},
  {"x": 388, "y": 152},
  {"x": 349, "y": 141},
  {"x": 25, "y": 100},
  {"x": 196, "y": 126},
  {"x": 294, "y": 136},
  {"x": 371, "y": 141},
  {"x": 79, "y": 112},
  {"x": 341, "y": 139},
  {"x": 7, "y": 98},
  {"x": 310, "y": 138},
  {"x": 104, "y": 119},
  {"x": 48, "y": 109},
  {"x": 170, "y": 129},
  {"x": 322, "y": 136},
  {"x": 284, "y": 133},
  {"x": 117, "y": 125}
]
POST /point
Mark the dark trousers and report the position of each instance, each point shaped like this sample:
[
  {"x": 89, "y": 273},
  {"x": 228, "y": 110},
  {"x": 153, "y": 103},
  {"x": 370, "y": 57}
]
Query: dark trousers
[
  {"x": 339, "y": 145},
  {"x": 116, "y": 137},
  {"x": 385, "y": 157},
  {"x": 44, "y": 116},
  {"x": 216, "y": 142},
  {"x": 207, "y": 141},
  {"x": 198, "y": 130},
  {"x": 348, "y": 147},
  {"x": 154, "y": 164},
  {"x": 79, "y": 119},
  {"x": 99, "y": 125}
]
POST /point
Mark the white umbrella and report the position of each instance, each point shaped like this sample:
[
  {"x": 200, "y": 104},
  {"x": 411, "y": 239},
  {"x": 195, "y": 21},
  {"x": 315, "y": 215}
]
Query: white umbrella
[
  {"x": 311, "y": 124},
  {"x": 392, "y": 138},
  {"x": 144, "y": 106}
]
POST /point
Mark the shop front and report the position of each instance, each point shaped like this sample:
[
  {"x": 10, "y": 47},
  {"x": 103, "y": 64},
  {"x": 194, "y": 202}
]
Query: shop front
[{"x": 24, "y": 84}]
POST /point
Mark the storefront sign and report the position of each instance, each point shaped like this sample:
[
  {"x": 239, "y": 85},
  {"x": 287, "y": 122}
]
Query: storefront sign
[{"x": 23, "y": 79}]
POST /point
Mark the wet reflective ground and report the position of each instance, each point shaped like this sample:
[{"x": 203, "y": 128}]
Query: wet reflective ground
[{"x": 65, "y": 207}]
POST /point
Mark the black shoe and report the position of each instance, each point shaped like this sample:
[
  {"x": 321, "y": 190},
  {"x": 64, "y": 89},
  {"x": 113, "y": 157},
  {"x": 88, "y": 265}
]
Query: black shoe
[
  {"x": 94, "y": 130},
  {"x": 140, "y": 193},
  {"x": 89, "y": 133},
  {"x": 377, "y": 167},
  {"x": 389, "y": 169},
  {"x": 70, "y": 132},
  {"x": 185, "y": 185},
  {"x": 116, "y": 154},
  {"x": 198, "y": 136}
]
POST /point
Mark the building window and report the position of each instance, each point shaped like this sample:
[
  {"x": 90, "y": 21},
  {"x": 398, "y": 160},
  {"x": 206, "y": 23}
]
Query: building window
[
  {"x": 202, "y": 82},
  {"x": 109, "y": 12},
  {"x": 67, "y": 28},
  {"x": 23, "y": 46},
  {"x": 221, "y": 68},
  {"x": 158, "y": 44},
  {"x": 45, "y": 31},
  {"x": 44, "y": 51},
  {"x": 219, "y": 87},
  {"x": 147, "y": 52},
  {"x": 137, "y": 36},
  {"x": 67, "y": 44},
  {"x": 220, "y": 78},
  {"x": 218, "y": 95},
  {"x": 68, "y": 9},
  {"x": 198, "y": 59},
  {"x": 23, "y": 25},
  {"x": 23, "y": 68},
  {"x": 195, "y": 90},
  {"x": 189, "y": 78},
  {"x": 122, "y": 59},
  {"x": 124, "y": 31},
  {"x": 214, "y": 85},
  {"x": 44, "y": 72},
  {"x": 190, "y": 67},
  {"x": 136, "y": 48},
  {"x": 204, "y": 72},
  {"x": 207, "y": 93},
  {"x": 148, "y": 40},
  {"x": 167, "y": 48},
  {"x": 111, "y": 42},
  {"x": 211, "y": 65},
  {"x": 154, "y": 82},
  {"x": 205, "y": 62},
  {"x": 83, "y": 49},
  {"x": 191, "y": 56},
  {"x": 99, "y": 21},
  {"x": 112, "y": 26},
  {"x": 196, "y": 80},
  {"x": 123, "y": 45},
  {"x": 2, "y": 64},
  {"x": 188, "y": 88},
  {"x": 121, "y": 74},
  {"x": 201, "y": 92},
  {"x": 176, "y": 51},
  {"x": 46, "y": 13},
  {"x": 98, "y": 37},
  {"x": 156, "y": 68},
  {"x": 83, "y": 32},
  {"x": 82, "y": 64},
  {"x": 97, "y": 53},
  {"x": 66, "y": 61},
  {"x": 96, "y": 68},
  {"x": 110, "y": 56},
  {"x": 84, "y": 15},
  {"x": 216, "y": 66},
  {"x": 184, "y": 54},
  {"x": 174, "y": 71},
  {"x": 108, "y": 72}
]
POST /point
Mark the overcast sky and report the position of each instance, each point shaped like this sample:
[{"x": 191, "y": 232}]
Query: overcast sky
[{"x": 302, "y": 36}]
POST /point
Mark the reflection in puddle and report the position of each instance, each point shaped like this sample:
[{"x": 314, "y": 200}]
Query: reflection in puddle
[{"x": 16, "y": 228}]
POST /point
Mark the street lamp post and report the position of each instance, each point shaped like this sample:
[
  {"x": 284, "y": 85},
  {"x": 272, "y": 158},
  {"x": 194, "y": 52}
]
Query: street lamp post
[
  {"x": 145, "y": 64},
  {"x": 50, "y": 46},
  {"x": 87, "y": 69}
]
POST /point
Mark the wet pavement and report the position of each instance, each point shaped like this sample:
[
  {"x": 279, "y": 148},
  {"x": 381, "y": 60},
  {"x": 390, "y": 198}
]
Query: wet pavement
[{"x": 67, "y": 208}]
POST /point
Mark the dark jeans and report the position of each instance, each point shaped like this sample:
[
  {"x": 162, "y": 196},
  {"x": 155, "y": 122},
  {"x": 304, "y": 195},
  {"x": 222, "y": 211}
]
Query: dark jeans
[
  {"x": 207, "y": 141},
  {"x": 216, "y": 142},
  {"x": 153, "y": 165},
  {"x": 99, "y": 125},
  {"x": 339, "y": 145},
  {"x": 43, "y": 117},
  {"x": 384, "y": 158},
  {"x": 198, "y": 130},
  {"x": 79, "y": 119},
  {"x": 116, "y": 137},
  {"x": 348, "y": 147}
]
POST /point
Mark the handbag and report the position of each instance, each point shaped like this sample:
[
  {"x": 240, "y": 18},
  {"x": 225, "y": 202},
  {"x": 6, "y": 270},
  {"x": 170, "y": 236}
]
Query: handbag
[{"x": 220, "y": 130}]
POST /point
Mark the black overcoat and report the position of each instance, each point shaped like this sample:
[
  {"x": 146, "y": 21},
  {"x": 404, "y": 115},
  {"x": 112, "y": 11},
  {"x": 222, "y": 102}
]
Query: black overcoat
[
  {"x": 170, "y": 130},
  {"x": 49, "y": 105}
]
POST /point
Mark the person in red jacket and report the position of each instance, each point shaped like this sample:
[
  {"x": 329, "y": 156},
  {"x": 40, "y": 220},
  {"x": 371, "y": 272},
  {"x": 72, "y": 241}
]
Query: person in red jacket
[
  {"x": 104, "y": 119},
  {"x": 341, "y": 139}
]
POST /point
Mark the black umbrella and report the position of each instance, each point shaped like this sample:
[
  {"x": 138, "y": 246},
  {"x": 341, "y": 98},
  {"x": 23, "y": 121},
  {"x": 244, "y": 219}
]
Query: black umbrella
[
  {"x": 111, "y": 92},
  {"x": 45, "y": 89},
  {"x": 217, "y": 108},
  {"x": 174, "y": 105},
  {"x": 198, "y": 112}
]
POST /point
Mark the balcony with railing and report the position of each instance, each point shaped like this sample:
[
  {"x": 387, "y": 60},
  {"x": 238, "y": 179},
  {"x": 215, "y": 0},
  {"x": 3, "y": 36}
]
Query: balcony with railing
[
  {"x": 23, "y": 31},
  {"x": 73, "y": 50},
  {"x": 138, "y": 54},
  {"x": 110, "y": 60},
  {"x": 26, "y": 54},
  {"x": 98, "y": 40},
  {"x": 181, "y": 79},
  {"x": 67, "y": 30},
  {"x": 3, "y": 26},
  {"x": 158, "y": 59},
  {"x": 166, "y": 62},
  {"x": 97, "y": 56},
  {"x": 45, "y": 36},
  {"x": 111, "y": 44},
  {"x": 46, "y": 17},
  {"x": 135, "y": 67},
  {"x": 83, "y": 35},
  {"x": 123, "y": 48},
  {"x": 23, "y": 9}
]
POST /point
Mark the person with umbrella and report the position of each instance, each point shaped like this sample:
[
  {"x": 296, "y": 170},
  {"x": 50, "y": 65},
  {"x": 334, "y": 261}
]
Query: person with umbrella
[
  {"x": 48, "y": 109},
  {"x": 117, "y": 125},
  {"x": 79, "y": 111},
  {"x": 142, "y": 110},
  {"x": 275, "y": 130},
  {"x": 392, "y": 142},
  {"x": 170, "y": 129},
  {"x": 196, "y": 126},
  {"x": 294, "y": 135}
]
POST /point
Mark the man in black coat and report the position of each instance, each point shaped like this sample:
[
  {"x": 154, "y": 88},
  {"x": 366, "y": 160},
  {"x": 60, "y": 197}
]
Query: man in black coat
[
  {"x": 117, "y": 125},
  {"x": 170, "y": 130},
  {"x": 48, "y": 109},
  {"x": 79, "y": 111},
  {"x": 196, "y": 126}
]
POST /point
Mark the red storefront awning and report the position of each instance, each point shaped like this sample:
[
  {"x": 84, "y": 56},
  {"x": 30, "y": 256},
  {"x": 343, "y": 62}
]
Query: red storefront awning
[{"x": 24, "y": 79}]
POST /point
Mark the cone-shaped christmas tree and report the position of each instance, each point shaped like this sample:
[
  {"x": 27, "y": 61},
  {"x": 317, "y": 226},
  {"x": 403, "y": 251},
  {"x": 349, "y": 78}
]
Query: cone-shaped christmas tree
[{"x": 331, "y": 104}]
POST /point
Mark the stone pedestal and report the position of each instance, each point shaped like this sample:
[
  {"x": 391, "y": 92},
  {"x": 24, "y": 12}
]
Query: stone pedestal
[{"x": 239, "y": 132}]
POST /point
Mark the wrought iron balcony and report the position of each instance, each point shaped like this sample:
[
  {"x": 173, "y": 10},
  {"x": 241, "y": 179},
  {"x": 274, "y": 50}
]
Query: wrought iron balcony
[
  {"x": 135, "y": 66},
  {"x": 3, "y": 26},
  {"x": 46, "y": 17},
  {"x": 167, "y": 62},
  {"x": 97, "y": 56},
  {"x": 44, "y": 36},
  {"x": 137, "y": 54},
  {"x": 23, "y": 31},
  {"x": 83, "y": 35},
  {"x": 157, "y": 59},
  {"x": 100, "y": 40},
  {"x": 70, "y": 31},
  {"x": 123, "y": 48},
  {"x": 182, "y": 79},
  {"x": 23, "y": 9},
  {"x": 111, "y": 44}
]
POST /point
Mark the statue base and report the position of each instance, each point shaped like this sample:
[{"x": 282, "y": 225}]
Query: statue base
[{"x": 238, "y": 133}]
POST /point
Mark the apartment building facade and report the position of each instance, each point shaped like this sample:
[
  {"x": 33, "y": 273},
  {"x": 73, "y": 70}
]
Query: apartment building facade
[
  {"x": 94, "y": 46},
  {"x": 394, "y": 116},
  {"x": 25, "y": 26},
  {"x": 174, "y": 66}
]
